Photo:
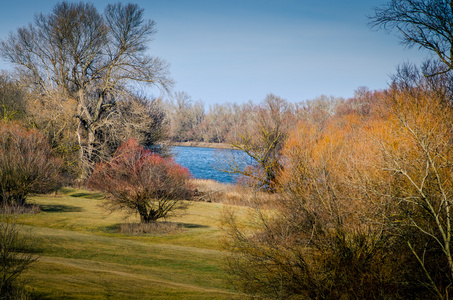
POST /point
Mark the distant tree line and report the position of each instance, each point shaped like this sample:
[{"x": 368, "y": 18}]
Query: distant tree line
[{"x": 192, "y": 121}]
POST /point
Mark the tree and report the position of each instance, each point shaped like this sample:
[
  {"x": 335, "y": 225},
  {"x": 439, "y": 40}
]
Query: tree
[
  {"x": 87, "y": 57},
  {"x": 12, "y": 99},
  {"x": 318, "y": 110},
  {"x": 143, "y": 182},
  {"x": 185, "y": 116},
  {"x": 358, "y": 191},
  {"x": 312, "y": 243},
  {"x": 426, "y": 24},
  {"x": 413, "y": 155},
  {"x": 134, "y": 117},
  {"x": 262, "y": 139},
  {"x": 27, "y": 164}
]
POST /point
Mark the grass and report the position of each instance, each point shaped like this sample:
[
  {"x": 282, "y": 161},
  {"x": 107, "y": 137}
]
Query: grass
[{"x": 84, "y": 256}]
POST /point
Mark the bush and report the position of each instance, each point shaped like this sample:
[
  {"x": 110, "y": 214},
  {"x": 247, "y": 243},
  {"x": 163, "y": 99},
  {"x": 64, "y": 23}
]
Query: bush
[
  {"x": 141, "y": 181},
  {"x": 365, "y": 208},
  {"x": 26, "y": 164},
  {"x": 15, "y": 256}
]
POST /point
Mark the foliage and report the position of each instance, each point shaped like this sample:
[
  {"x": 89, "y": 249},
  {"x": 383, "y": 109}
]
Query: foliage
[
  {"x": 414, "y": 150},
  {"x": 12, "y": 99},
  {"x": 312, "y": 243},
  {"x": 142, "y": 181},
  {"x": 27, "y": 164},
  {"x": 365, "y": 204},
  {"x": 54, "y": 118}
]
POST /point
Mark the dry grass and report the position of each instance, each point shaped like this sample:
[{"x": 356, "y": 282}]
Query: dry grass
[
  {"x": 202, "y": 145},
  {"x": 213, "y": 191},
  {"x": 19, "y": 209},
  {"x": 154, "y": 228}
]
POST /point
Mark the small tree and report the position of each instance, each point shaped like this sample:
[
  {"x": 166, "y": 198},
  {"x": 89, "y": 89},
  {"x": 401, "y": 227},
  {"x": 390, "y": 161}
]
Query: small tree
[
  {"x": 261, "y": 139},
  {"x": 26, "y": 164},
  {"x": 141, "y": 181}
]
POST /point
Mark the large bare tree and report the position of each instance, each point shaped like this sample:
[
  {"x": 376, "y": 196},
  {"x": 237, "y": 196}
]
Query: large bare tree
[
  {"x": 90, "y": 58},
  {"x": 420, "y": 23}
]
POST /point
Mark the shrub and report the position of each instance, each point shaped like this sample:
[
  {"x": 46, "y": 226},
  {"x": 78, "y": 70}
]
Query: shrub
[
  {"x": 15, "y": 256},
  {"x": 26, "y": 164},
  {"x": 141, "y": 181}
]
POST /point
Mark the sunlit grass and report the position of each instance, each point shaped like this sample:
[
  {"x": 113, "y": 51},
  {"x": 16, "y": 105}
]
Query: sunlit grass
[{"x": 84, "y": 256}]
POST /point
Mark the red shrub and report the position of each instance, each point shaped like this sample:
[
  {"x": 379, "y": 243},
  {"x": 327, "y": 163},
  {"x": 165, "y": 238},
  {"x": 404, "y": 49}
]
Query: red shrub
[{"x": 142, "y": 181}]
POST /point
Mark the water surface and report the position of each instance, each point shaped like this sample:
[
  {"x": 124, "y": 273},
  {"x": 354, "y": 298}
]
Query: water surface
[{"x": 203, "y": 163}]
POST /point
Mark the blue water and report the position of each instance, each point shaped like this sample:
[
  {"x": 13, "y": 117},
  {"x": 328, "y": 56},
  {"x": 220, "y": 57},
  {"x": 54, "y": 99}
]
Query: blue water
[{"x": 203, "y": 163}]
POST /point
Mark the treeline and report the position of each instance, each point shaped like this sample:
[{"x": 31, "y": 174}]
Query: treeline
[{"x": 192, "y": 121}]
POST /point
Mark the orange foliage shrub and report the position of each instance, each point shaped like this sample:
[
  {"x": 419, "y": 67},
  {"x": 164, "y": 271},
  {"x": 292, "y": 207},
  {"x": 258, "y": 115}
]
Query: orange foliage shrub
[{"x": 364, "y": 210}]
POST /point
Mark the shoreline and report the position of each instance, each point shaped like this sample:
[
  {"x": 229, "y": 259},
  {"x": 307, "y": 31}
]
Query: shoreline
[{"x": 202, "y": 144}]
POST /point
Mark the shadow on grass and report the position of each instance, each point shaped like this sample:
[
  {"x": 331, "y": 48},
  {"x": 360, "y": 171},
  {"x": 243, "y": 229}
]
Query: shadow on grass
[
  {"x": 190, "y": 225},
  {"x": 76, "y": 193},
  {"x": 59, "y": 208},
  {"x": 96, "y": 196},
  {"x": 46, "y": 296},
  {"x": 159, "y": 227}
]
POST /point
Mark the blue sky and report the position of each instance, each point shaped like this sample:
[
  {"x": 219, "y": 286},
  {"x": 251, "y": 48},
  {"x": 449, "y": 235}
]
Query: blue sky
[{"x": 238, "y": 50}]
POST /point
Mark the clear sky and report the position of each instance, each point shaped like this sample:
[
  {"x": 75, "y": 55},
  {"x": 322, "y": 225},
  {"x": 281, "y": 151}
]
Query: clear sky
[{"x": 238, "y": 50}]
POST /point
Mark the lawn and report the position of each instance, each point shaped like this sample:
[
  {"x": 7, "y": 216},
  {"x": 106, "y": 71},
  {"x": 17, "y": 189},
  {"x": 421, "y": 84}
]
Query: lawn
[{"x": 83, "y": 256}]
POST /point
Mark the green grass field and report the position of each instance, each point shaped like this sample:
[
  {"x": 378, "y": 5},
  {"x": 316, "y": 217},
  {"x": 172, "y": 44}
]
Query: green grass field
[{"x": 82, "y": 255}]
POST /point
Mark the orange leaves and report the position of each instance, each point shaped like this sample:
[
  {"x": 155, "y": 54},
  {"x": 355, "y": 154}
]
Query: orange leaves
[{"x": 312, "y": 151}]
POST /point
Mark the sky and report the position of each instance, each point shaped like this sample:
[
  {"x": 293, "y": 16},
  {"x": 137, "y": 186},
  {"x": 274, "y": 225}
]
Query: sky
[{"x": 233, "y": 51}]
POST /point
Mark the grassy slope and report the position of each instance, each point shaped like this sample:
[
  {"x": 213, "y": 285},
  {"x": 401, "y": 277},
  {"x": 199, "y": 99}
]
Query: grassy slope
[{"x": 82, "y": 256}]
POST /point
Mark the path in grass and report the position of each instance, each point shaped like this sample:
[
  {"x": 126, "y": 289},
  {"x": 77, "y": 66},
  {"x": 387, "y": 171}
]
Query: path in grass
[{"x": 83, "y": 257}]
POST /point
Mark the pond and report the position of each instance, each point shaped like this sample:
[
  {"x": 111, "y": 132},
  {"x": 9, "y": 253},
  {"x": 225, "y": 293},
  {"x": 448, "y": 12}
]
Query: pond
[{"x": 203, "y": 163}]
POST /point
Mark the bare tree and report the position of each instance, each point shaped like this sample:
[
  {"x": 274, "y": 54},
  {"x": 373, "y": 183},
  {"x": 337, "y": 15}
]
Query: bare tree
[
  {"x": 261, "y": 139},
  {"x": 185, "y": 116},
  {"x": 416, "y": 184},
  {"x": 88, "y": 57},
  {"x": 425, "y": 24}
]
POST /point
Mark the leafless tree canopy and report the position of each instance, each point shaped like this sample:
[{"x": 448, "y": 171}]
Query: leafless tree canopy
[
  {"x": 421, "y": 23},
  {"x": 89, "y": 57}
]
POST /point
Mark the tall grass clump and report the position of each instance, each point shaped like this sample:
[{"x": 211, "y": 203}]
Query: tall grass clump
[{"x": 15, "y": 255}]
